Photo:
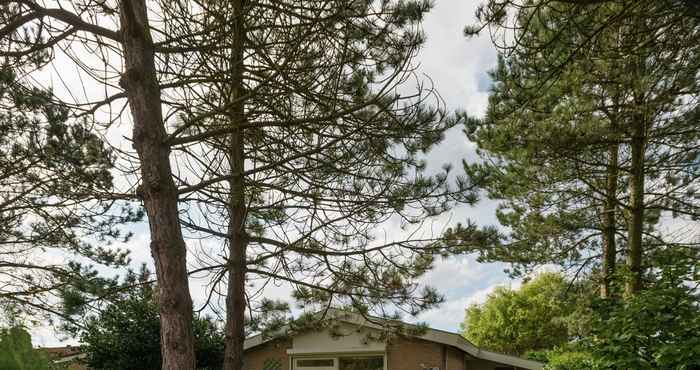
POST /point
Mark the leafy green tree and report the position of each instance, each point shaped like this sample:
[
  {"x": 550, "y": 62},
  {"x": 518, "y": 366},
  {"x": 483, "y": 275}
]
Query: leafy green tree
[
  {"x": 532, "y": 318},
  {"x": 657, "y": 328},
  {"x": 126, "y": 334},
  {"x": 568, "y": 359},
  {"x": 17, "y": 353}
]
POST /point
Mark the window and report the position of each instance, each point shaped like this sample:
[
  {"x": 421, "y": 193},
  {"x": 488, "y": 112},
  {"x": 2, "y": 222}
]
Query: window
[
  {"x": 326, "y": 362},
  {"x": 366, "y": 362},
  {"x": 362, "y": 363},
  {"x": 315, "y": 364}
]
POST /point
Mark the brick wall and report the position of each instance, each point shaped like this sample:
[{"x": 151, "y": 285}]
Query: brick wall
[
  {"x": 417, "y": 354},
  {"x": 455, "y": 359},
  {"x": 274, "y": 351},
  {"x": 401, "y": 354},
  {"x": 413, "y": 354}
]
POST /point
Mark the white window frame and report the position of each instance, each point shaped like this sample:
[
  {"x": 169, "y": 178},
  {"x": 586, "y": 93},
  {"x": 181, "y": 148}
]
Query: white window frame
[{"x": 336, "y": 360}]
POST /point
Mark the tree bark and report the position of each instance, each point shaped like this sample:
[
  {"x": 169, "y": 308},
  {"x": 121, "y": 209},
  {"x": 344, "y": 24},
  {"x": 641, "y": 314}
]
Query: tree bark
[
  {"x": 609, "y": 221},
  {"x": 157, "y": 188},
  {"x": 636, "y": 206},
  {"x": 235, "y": 298}
]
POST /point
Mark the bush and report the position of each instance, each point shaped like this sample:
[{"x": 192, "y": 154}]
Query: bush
[{"x": 17, "y": 353}]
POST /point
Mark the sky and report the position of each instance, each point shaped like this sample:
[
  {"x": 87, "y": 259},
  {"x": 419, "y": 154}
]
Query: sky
[{"x": 459, "y": 69}]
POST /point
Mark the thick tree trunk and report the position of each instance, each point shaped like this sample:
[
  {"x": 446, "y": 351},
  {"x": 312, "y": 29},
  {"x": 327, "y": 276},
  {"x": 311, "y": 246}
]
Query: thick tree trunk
[
  {"x": 609, "y": 221},
  {"x": 636, "y": 206},
  {"x": 235, "y": 299},
  {"x": 158, "y": 189}
]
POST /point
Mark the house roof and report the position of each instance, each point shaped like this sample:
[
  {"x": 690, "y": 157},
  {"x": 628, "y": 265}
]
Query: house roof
[
  {"x": 61, "y": 352},
  {"x": 433, "y": 335},
  {"x": 69, "y": 356}
]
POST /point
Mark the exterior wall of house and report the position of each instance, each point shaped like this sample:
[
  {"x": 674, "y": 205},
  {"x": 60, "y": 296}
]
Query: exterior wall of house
[
  {"x": 414, "y": 354},
  {"x": 455, "y": 359},
  {"x": 417, "y": 354},
  {"x": 273, "y": 352},
  {"x": 400, "y": 353}
]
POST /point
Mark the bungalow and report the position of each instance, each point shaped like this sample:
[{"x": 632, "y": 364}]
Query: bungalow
[{"x": 349, "y": 346}]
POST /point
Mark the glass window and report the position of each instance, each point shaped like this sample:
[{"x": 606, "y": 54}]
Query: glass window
[
  {"x": 362, "y": 363},
  {"x": 326, "y": 362}
]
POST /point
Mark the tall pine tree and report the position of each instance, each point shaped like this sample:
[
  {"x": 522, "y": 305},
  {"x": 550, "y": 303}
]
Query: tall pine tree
[
  {"x": 586, "y": 160},
  {"x": 109, "y": 44},
  {"x": 297, "y": 145}
]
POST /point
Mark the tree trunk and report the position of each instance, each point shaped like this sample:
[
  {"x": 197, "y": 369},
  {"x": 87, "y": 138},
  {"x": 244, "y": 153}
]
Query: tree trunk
[
  {"x": 235, "y": 298},
  {"x": 158, "y": 189},
  {"x": 609, "y": 221},
  {"x": 636, "y": 206}
]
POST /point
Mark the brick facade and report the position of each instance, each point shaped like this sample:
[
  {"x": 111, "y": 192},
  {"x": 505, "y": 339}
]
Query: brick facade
[
  {"x": 401, "y": 354},
  {"x": 409, "y": 354},
  {"x": 455, "y": 359},
  {"x": 273, "y": 352}
]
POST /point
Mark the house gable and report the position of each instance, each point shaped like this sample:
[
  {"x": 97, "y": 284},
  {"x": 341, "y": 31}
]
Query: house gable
[{"x": 345, "y": 338}]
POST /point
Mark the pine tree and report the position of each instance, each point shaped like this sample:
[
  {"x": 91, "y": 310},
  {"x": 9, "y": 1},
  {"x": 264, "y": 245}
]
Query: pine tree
[
  {"x": 298, "y": 145},
  {"x": 32, "y": 36},
  {"x": 569, "y": 160},
  {"x": 54, "y": 224},
  {"x": 508, "y": 21},
  {"x": 290, "y": 142}
]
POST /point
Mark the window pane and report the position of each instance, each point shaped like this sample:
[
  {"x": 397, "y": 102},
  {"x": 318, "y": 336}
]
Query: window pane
[
  {"x": 362, "y": 363},
  {"x": 315, "y": 363}
]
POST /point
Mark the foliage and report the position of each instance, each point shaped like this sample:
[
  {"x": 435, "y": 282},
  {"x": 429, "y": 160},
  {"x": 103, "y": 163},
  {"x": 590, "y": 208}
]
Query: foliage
[
  {"x": 53, "y": 169},
  {"x": 655, "y": 329},
  {"x": 331, "y": 150},
  {"x": 531, "y": 318},
  {"x": 288, "y": 137},
  {"x": 563, "y": 358},
  {"x": 546, "y": 142},
  {"x": 17, "y": 353},
  {"x": 508, "y": 20},
  {"x": 590, "y": 142},
  {"x": 126, "y": 334}
]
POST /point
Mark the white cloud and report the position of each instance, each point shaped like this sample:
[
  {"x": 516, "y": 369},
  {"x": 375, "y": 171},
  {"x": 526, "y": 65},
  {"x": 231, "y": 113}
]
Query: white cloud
[
  {"x": 455, "y": 272},
  {"x": 450, "y": 315}
]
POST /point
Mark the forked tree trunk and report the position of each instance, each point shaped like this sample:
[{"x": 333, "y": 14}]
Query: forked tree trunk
[
  {"x": 235, "y": 298},
  {"x": 158, "y": 189},
  {"x": 609, "y": 221},
  {"x": 636, "y": 206}
]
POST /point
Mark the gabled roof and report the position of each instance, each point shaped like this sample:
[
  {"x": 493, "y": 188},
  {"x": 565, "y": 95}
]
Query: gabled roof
[{"x": 432, "y": 335}]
